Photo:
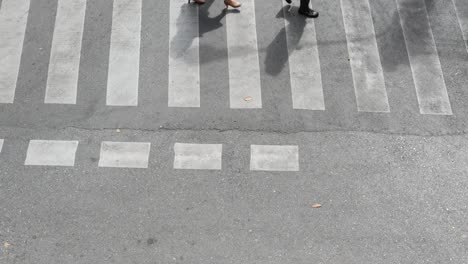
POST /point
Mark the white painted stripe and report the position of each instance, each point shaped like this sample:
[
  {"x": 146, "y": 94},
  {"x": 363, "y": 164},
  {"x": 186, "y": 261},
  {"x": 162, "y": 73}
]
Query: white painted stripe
[
  {"x": 124, "y": 154},
  {"x": 461, "y": 7},
  {"x": 13, "y": 20},
  {"x": 244, "y": 67},
  {"x": 274, "y": 158},
  {"x": 51, "y": 153},
  {"x": 198, "y": 156},
  {"x": 424, "y": 59},
  {"x": 184, "y": 57},
  {"x": 124, "y": 57},
  {"x": 1, "y": 145},
  {"x": 65, "y": 54},
  {"x": 368, "y": 78},
  {"x": 304, "y": 62}
]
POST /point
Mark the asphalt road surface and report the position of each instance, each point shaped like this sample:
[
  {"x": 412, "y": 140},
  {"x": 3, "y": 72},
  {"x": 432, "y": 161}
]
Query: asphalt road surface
[{"x": 151, "y": 131}]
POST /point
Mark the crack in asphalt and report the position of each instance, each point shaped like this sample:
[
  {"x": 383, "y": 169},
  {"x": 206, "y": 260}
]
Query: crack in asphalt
[{"x": 169, "y": 129}]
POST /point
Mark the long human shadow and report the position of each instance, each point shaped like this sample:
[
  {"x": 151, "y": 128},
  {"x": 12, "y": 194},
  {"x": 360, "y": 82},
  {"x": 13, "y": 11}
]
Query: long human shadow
[
  {"x": 183, "y": 39},
  {"x": 393, "y": 51},
  {"x": 392, "y": 35},
  {"x": 208, "y": 23},
  {"x": 277, "y": 54}
]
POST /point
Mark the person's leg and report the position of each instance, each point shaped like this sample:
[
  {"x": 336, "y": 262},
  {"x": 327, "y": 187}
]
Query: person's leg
[
  {"x": 306, "y": 11},
  {"x": 232, "y": 3}
]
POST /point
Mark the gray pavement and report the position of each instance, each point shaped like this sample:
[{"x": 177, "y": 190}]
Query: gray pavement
[{"x": 392, "y": 184}]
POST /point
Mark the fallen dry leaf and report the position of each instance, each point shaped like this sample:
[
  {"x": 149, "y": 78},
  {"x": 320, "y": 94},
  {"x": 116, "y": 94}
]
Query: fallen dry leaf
[
  {"x": 248, "y": 98},
  {"x": 6, "y": 245},
  {"x": 317, "y": 205}
]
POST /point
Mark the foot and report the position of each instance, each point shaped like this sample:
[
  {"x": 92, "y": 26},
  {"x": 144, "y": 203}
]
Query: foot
[
  {"x": 309, "y": 13},
  {"x": 288, "y": 1},
  {"x": 232, "y": 3},
  {"x": 200, "y": 2}
]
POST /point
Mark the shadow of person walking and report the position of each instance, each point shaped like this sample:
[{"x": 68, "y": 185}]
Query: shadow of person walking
[
  {"x": 277, "y": 55},
  {"x": 393, "y": 49},
  {"x": 208, "y": 23},
  {"x": 184, "y": 37}
]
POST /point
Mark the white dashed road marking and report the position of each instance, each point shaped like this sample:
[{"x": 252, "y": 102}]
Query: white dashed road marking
[
  {"x": 124, "y": 57},
  {"x": 65, "y": 55},
  {"x": 198, "y": 156},
  {"x": 51, "y": 153},
  {"x": 368, "y": 78},
  {"x": 424, "y": 59},
  {"x": 124, "y": 154},
  {"x": 13, "y": 20},
  {"x": 184, "y": 57},
  {"x": 274, "y": 158},
  {"x": 1, "y": 145}
]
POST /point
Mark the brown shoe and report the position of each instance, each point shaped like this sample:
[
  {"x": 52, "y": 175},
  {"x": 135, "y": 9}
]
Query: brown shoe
[{"x": 232, "y": 3}]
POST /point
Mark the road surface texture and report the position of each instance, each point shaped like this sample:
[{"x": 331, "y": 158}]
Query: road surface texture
[{"x": 156, "y": 131}]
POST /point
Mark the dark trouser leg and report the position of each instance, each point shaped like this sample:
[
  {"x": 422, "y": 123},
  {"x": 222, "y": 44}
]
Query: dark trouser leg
[
  {"x": 304, "y": 5},
  {"x": 306, "y": 11}
]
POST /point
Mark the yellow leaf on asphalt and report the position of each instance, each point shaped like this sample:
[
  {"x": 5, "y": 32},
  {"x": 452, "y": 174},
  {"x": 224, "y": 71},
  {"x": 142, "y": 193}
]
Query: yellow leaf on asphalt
[{"x": 317, "y": 205}]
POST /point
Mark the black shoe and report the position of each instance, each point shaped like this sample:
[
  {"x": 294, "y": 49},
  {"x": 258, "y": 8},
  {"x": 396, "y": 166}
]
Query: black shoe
[
  {"x": 309, "y": 13},
  {"x": 288, "y": 1}
]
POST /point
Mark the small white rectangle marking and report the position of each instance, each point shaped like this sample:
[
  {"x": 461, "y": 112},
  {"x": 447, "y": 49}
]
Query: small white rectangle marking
[
  {"x": 13, "y": 20},
  {"x": 274, "y": 158},
  {"x": 124, "y": 57},
  {"x": 124, "y": 154},
  {"x": 198, "y": 156},
  {"x": 461, "y": 7},
  {"x": 424, "y": 59},
  {"x": 184, "y": 57},
  {"x": 1, "y": 145},
  {"x": 368, "y": 77},
  {"x": 51, "y": 153},
  {"x": 304, "y": 62},
  {"x": 244, "y": 67},
  {"x": 62, "y": 80}
]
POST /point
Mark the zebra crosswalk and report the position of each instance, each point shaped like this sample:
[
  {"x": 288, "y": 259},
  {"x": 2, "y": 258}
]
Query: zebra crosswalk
[
  {"x": 124, "y": 58},
  {"x": 304, "y": 62},
  {"x": 427, "y": 71},
  {"x": 244, "y": 67},
  {"x": 184, "y": 56},
  {"x": 65, "y": 53},
  {"x": 13, "y": 19},
  {"x": 462, "y": 14},
  {"x": 369, "y": 84}
]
